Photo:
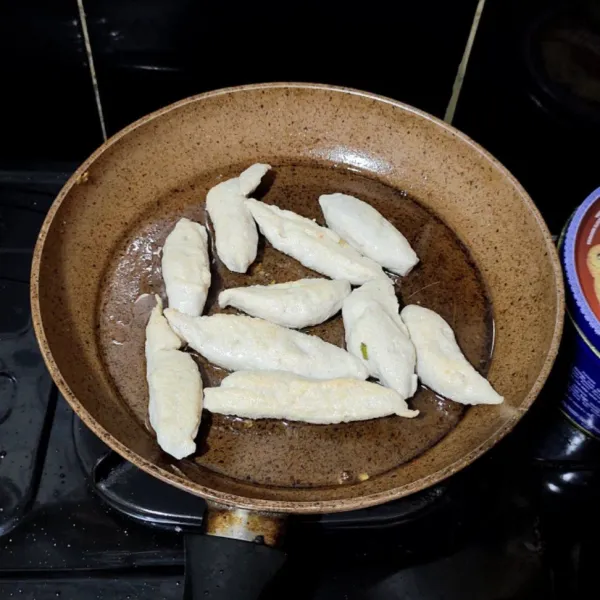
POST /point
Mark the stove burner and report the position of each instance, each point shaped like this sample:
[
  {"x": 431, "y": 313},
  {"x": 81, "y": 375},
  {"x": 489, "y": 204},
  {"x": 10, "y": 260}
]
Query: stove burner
[{"x": 153, "y": 502}]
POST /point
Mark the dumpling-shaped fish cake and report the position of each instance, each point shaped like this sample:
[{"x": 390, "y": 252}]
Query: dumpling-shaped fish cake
[
  {"x": 441, "y": 365},
  {"x": 236, "y": 238},
  {"x": 240, "y": 343},
  {"x": 296, "y": 304},
  {"x": 175, "y": 388},
  {"x": 279, "y": 395},
  {"x": 316, "y": 247},
  {"x": 368, "y": 231},
  {"x": 186, "y": 267},
  {"x": 376, "y": 335}
]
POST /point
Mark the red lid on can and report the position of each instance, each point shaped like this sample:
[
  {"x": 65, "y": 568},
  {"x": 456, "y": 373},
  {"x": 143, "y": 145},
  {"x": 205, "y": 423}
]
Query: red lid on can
[{"x": 587, "y": 256}]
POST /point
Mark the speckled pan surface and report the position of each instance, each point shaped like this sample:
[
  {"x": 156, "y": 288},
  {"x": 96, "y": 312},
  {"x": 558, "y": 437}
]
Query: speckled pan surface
[{"x": 97, "y": 252}]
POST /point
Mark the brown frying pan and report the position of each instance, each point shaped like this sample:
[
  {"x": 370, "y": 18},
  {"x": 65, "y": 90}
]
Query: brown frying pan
[{"x": 488, "y": 266}]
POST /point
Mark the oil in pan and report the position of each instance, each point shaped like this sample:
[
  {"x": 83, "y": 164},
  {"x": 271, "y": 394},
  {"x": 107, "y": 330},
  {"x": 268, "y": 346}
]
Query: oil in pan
[{"x": 580, "y": 257}]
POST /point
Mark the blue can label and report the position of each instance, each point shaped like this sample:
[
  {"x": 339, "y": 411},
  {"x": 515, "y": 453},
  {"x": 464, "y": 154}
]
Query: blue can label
[
  {"x": 582, "y": 400},
  {"x": 580, "y": 255}
]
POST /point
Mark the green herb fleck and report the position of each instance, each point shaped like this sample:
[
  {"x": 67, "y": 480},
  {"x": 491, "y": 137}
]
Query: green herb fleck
[{"x": 364, "y": 351}]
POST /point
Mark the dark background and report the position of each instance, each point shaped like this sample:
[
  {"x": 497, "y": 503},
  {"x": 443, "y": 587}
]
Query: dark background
[{"x": 152, "y": 52}]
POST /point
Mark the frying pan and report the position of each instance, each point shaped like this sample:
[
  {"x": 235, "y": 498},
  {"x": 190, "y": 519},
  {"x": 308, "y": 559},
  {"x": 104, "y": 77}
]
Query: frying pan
[{"x": 488, "y": 266}]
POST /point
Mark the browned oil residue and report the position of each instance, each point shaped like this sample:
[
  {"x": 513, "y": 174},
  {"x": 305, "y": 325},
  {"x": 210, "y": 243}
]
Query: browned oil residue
[{"x": 281, "y": 453}]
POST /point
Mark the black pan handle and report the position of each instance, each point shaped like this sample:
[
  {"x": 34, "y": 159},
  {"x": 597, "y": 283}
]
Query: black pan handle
[
  {"x": 237, "y": 556},
  {"x": 219, "y": 568}
]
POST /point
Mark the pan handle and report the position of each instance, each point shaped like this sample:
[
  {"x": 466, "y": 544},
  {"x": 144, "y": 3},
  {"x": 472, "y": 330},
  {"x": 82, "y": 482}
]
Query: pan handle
[
  {"x": 225, "y": 569},
  {"x": 237, "y": 556}
]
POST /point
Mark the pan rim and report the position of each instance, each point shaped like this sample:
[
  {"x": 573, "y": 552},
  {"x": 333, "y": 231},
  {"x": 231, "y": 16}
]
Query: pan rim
[{"x": 292, "y": 506}]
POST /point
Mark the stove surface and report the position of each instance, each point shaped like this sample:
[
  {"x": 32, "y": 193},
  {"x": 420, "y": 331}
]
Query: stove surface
[{"x": 77, "y": 521}]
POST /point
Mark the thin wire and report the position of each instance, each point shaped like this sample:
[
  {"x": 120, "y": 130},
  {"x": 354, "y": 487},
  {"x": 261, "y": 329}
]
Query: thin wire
[
  {"x": 462, "y": 67},
  {"x": 90, "y": 59}
]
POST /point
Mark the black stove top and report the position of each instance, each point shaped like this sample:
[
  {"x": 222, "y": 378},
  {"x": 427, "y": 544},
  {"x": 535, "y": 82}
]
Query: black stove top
[{"x": 77, "y": 521}]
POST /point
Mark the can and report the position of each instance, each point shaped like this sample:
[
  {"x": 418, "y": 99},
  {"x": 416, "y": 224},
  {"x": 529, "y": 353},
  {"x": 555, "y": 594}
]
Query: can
[{"x": 580, "y": 256}]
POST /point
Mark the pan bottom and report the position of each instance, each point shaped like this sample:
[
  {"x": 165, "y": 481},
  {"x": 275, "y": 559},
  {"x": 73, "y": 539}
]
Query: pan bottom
[{"x": 280, "y": 453}]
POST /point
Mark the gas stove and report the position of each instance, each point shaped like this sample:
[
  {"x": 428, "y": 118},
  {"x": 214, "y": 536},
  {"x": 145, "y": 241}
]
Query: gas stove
[{"x": 77, "y": 521}]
